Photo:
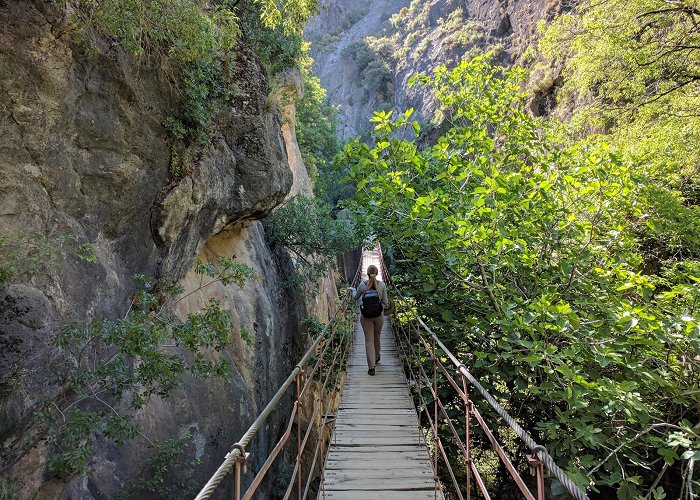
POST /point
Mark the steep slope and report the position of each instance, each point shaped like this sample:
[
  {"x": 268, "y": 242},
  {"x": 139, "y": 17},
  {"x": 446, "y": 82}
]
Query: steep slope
[{"x": 366, "y": 54}]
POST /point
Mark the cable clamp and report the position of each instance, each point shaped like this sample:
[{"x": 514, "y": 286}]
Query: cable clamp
[
  {"x": 535, "y": 463},
  {"x": 243, "y": 457}
]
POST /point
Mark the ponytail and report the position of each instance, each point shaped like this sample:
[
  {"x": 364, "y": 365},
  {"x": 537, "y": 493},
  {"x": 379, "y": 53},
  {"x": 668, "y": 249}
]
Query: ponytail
[{"x": 372, "y": 273}]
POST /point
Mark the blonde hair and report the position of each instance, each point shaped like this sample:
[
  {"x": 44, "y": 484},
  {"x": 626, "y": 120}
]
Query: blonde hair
[{"x": 372, "y": 273}]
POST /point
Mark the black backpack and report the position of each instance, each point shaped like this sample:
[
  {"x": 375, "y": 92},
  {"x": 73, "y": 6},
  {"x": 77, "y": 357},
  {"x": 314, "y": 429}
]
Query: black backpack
[{"x": 371, "y": 306}]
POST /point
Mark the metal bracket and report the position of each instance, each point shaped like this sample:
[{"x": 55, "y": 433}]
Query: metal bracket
[
  {"x": 244, "y": 456},
  {"x": 534, "y": 464}
]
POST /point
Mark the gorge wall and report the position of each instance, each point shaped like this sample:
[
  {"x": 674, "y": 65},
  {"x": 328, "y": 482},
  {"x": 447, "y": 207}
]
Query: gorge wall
[
  {"x": 365, "y": 52},
  {"x": 85, "y": 159}
]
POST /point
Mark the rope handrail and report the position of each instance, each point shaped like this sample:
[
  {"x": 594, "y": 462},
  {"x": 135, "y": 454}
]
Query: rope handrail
[
  {"x": 538, "y": 450},
  {"x": 238, "y": 449}
]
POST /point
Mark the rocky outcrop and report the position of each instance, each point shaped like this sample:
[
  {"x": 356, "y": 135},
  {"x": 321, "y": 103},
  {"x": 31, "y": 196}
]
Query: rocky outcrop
[
  {"x": 408, "y": 37},
  {"x": 333, "y": 33},
  {"x": 84, "y": 159}
]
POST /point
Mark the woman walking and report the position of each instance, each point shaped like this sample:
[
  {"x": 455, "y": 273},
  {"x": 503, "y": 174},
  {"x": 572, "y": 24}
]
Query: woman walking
[{"x": 374, "y": 301}]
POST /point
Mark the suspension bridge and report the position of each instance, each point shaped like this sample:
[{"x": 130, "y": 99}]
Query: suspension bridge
[{"x": 386, "y": 436}]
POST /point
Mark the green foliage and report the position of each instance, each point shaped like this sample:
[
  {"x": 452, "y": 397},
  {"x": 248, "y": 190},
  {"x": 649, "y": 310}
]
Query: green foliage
[
  {"x": 305, "y": 226},
  {"x": 524, "y": 254},
  {"x": 193, "y": 46},
  {"x": 313, "y": 327},
  {"x": 373, "y": 68},
  {"x": 630, "y": 54},
  {"x": 169, "y": 470},
  {"x": 633, "y": 71},
  {"x": 111, "y": 367},
  {"x": 413, "y": 32},
  {"x": 9, "y": 488},
  {"x": 290, "y": 15},
  {"x": 316, "y": 121},
  {"x": 278, "y": 49},
  {"x": 24, "y": 256}
]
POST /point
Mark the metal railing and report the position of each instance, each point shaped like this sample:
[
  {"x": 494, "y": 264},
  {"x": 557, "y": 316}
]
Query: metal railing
[
  {"x": 418, "y": 346},
  {"x": 319, "y": 371}
]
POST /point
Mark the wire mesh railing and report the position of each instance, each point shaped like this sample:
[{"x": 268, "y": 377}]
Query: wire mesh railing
[
  {"x": 313, "y": 383},
  {"x": 433, "y": 369}
]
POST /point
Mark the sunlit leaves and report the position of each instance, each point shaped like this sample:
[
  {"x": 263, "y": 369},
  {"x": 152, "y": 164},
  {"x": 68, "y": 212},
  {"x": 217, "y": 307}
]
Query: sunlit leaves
[
  {"x": 531, "y": 247},
  {"x": 290, "y": 14}
]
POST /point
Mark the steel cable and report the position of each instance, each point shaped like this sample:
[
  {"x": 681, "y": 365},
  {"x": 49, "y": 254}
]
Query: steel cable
[{"x": 537, "y": 449}]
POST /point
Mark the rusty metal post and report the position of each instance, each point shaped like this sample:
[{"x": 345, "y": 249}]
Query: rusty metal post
[
  {"x": 237, "y": 487},
  {"x": 417, "y": 385},
  {"x": 435, "y": 421},
  {"x": 320, "y": 428},
  {"x": 298, "y": 399},
  {"x": 537, "y": 470},
  {"x": 241, "y": 462},
  {"x": 467, "y": 437}
]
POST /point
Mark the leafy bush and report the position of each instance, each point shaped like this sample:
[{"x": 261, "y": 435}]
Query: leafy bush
[
  {"x": 192, "y": 45},
  {"x": 523, "y": 253},
  {"x": 638, "y": 82},
  {"x": 291, "y": 15},
  {"x": 169, "y": 470},
  {"x": 372, "y": 66},
  {"x": 111, "y": 367},
  {"x": 316, "y": 121},
  {"x": 23, "y": 256},
  {"x": 305, "y": 226},
  {"x": 277, "y": 49},
  {"x": 9, "y": 488}
]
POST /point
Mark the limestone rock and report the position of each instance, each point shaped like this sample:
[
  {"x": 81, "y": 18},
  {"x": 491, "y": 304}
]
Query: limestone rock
[
  {"x": 84, "y": 154},
  {"x": 427, "y": 43}
]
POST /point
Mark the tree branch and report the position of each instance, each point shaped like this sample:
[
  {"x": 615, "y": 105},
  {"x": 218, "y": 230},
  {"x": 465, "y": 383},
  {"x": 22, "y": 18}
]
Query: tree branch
[
  {"x": 637, "y": 436},
  {"x": 486, "y": 287}
]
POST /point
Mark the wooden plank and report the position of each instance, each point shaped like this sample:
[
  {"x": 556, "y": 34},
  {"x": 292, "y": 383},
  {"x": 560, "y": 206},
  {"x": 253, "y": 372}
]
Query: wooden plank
[
  {"x": 396, "y": 484},
  {"x": 380, "y": 462},
  {"x": 360, "y": 474},
  {"x": 386, "y": 432},
  {"x": 377, "y": 450},
  {"x": 377, "y": 422},
  {"x": 379, "y": 495}
]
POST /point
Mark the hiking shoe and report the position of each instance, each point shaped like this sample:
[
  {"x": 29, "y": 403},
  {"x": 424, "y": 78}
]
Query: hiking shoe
[{"x": 370, "y": 371}]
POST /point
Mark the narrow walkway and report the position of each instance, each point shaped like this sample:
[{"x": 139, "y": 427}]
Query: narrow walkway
[{"x": 376, "y": 451}]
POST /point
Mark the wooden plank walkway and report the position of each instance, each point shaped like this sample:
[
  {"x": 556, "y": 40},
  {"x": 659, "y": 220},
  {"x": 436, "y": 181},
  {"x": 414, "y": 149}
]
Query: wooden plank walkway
[{"x": 376, "y": 451}]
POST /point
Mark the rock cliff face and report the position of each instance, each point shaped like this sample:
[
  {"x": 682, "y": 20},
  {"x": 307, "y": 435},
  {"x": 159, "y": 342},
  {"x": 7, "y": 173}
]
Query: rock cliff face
[
  {"x": 84, "y": 158},
  {"x": 365, "y": 52}
]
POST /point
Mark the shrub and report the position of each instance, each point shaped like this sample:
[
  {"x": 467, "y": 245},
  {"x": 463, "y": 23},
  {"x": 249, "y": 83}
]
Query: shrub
[
  {"x": 192, "y": 46},
  {"x": 111, "y": 367},
  {"x": 306, "y": 227},
  {"x": 316, "y": 122}
]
